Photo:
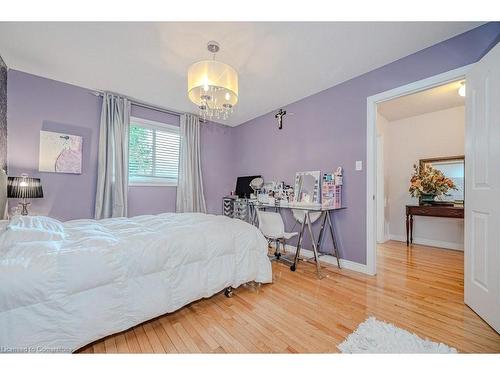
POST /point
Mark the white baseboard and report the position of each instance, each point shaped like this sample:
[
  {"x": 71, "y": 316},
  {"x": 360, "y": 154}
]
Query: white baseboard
[
  {"x": 428, "y": 242},
  {"x": 385, "y": 239},
  {"x": 330, "y": 259}
]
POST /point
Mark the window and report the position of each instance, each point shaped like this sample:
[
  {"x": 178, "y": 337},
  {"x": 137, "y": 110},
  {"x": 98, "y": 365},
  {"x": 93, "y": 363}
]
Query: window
[{"x": 153, "y": 153}]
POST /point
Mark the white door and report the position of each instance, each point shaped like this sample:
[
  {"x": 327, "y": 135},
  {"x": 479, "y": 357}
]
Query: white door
[{"x": 482, "y": 191}]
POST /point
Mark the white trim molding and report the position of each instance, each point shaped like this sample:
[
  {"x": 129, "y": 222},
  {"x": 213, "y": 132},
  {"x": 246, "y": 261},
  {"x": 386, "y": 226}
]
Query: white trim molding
[
  {"x": 154, "y": 124},
  {"x": 429, "y": 242},
  {"x": 371, "y": 157},
  {"x": 330, "y": 259}
]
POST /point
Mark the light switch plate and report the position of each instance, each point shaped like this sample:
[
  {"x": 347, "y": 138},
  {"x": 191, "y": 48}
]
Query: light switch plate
[{"x": 359, "y": 165}]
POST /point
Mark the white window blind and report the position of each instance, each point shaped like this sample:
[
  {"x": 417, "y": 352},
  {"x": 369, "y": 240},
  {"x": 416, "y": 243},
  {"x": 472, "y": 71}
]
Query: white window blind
[{"x": 153, "y": 153}]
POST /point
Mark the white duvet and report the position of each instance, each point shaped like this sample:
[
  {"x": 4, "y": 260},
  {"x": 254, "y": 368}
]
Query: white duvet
[{"x": 106, "y": 276}]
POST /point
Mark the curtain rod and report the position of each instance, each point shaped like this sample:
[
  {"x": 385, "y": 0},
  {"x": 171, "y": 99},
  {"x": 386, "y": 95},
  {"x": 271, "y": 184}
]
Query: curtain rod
[{"x": 142, "y": 104}]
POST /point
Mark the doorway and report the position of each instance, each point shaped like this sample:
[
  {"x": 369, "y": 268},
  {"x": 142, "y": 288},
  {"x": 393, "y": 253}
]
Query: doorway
[
  {"x": 482, "y": 185},
  {"x": 421, "y": 138},
  {"x": 373, "y": 230}
]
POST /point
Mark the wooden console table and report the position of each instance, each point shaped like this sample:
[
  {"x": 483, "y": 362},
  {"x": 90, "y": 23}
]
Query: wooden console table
[{"x": 436, "y": 211}]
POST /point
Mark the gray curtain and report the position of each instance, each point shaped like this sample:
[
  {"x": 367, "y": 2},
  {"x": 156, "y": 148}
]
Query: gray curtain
[
  {"x": 190, "y": 197},
  {"x": 112, "y": 170}
]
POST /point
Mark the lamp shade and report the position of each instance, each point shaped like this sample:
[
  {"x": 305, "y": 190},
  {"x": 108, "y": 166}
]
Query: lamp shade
[
  {"x": 24, "y": 187},
  {"x": 221, "y": 79}
]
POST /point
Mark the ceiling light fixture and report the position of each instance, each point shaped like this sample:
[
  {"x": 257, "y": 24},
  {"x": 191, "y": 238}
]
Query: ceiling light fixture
[
  {"x": 213, "y": 86},
  {"x": 461, "y": 90}
]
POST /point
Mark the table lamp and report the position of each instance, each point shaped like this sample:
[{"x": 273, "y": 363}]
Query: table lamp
[{"x": 24, "y": 187}]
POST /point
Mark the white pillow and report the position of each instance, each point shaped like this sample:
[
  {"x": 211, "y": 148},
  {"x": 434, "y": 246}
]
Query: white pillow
[
  {"x": 32, "y": 228},
  {"x": 36, "y": 222}
]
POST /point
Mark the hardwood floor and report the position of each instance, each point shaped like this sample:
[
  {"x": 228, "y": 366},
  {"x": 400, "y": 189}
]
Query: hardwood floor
[{"x": 419, "y": 289}]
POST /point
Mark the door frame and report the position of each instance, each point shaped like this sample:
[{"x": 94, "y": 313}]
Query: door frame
[
  {"x": 380, "y": 201},
  {"x": 371, "y": 150}
]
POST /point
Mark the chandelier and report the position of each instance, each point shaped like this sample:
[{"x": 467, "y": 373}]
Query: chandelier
[{"x": 213, "y": 86}]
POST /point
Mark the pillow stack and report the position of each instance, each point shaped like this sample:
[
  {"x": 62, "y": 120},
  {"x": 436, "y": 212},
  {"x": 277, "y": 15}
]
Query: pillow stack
[{"x": 32, "y": 228}]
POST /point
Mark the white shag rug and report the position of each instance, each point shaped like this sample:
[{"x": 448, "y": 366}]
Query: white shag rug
[{"x": 374, "y": 336}]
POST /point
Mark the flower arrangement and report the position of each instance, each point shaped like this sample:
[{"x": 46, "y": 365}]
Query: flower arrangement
[{"x": 429, "y": 181}]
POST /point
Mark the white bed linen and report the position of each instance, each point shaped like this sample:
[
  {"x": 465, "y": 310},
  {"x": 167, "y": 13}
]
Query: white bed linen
[
  {"x": 32, "y": 228},
  {"x": 109, "y": 275}
]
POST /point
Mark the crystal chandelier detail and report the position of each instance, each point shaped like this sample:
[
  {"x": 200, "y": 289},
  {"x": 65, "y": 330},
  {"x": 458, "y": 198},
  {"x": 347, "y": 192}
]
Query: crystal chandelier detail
[{"x": 213, "y": 86}]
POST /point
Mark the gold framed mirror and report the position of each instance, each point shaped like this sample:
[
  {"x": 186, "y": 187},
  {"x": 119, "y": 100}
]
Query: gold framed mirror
[{"x": 452, "y": 167}]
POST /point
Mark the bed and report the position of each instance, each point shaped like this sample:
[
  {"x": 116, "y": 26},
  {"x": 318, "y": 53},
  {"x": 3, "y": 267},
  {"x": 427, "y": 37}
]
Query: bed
[{"x": 65, "y": 285}]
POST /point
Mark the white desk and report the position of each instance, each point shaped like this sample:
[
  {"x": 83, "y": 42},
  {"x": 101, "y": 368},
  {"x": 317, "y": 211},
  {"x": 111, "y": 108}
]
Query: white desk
[{"x": 325, "y": 218}]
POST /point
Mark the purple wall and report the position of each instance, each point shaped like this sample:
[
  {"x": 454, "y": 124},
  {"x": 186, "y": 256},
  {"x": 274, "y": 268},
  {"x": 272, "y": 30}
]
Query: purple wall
[
  {"x": 328, "y": 130},
  {"x": 37, "y": 103},
  {"x": 217, "y": 164}
]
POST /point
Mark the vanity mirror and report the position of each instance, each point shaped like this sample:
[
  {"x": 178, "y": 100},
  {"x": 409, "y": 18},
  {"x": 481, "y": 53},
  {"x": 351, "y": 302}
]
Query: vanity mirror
[
  {"x": 307, "y": 187},
  {"x": 307, "y": 192}
]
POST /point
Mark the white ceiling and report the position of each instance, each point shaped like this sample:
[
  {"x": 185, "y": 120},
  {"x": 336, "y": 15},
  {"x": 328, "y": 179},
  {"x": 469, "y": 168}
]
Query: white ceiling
[
  {"x": 278, "y": 63},
  {"x": 435, "y": 99}
]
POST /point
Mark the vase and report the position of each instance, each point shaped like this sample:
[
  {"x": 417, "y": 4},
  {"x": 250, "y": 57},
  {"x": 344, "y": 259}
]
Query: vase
[{"x": 427, "y": 199}]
